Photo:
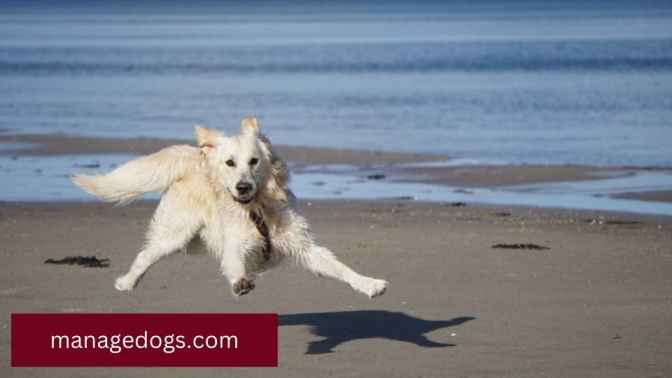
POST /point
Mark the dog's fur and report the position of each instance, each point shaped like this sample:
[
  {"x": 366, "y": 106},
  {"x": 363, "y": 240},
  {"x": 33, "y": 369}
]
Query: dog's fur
[{"x": 211, "y": 191}]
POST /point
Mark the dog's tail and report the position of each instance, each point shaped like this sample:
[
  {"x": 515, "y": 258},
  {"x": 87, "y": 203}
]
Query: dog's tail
[{"x": 151, "y": 173}]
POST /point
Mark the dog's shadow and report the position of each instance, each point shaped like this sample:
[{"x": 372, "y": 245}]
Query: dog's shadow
[{"x": 340, "y": 327}]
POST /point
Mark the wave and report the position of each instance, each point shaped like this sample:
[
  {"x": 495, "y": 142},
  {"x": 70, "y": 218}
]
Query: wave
[
  {"x": 663, "y": 64},
  {"x": 345, "y": 58}
]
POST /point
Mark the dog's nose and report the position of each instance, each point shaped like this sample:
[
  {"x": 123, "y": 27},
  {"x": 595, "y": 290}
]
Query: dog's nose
[{"x": 243, "y": 187}]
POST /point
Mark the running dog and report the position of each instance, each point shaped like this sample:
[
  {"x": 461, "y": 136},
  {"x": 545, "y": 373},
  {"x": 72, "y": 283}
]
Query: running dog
[{"x": 232, "y": 192}]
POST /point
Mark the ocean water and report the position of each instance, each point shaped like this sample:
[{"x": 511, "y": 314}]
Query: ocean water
[{"x": 585, "y": 82}]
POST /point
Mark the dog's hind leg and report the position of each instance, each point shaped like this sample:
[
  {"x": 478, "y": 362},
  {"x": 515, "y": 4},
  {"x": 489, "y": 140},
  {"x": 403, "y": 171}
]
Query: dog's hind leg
[
  {"x": 174, "y": 224},
  {"x": 296, "y": 240},
  {"x": 323, "y": 262}
]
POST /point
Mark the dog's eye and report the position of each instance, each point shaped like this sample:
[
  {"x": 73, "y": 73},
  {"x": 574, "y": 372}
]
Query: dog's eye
[
  {"x": 230, "y": 163},
  {"x": 254, "y": 161}
]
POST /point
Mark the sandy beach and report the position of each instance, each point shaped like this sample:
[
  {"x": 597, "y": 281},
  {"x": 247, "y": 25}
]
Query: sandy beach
[{"x": 596, "y": 303}]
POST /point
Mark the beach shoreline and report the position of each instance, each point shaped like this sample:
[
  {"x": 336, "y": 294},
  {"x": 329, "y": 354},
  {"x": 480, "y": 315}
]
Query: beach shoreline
[
  {"x": 390, "y": 167},
  {"x": 62, "y": 144}
]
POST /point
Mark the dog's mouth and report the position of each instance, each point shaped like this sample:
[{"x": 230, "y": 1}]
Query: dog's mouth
[{"x": 244, "y": 201}]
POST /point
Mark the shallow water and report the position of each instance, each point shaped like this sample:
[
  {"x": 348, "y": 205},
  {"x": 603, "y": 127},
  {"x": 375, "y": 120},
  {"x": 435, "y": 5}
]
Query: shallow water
[
  {"x": 588, "y": 195},
  {"x": 573, "y": 82},
  {"x": 46, "y": 179},
  {"x": 38, "y": 178}
]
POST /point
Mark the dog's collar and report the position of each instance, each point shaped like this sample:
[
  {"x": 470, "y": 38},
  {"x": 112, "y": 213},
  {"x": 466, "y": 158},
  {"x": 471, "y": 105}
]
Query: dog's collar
[{"x": 257, "y": 217}]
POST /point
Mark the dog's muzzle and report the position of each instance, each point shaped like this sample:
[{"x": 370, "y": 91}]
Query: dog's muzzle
[{"x": 244, "y": 192}]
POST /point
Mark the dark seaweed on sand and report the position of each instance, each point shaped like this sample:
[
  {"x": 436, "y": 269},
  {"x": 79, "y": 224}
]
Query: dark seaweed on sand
[
  {"x": 86, "y": 261},
  {"x": 520, "y": 246}
]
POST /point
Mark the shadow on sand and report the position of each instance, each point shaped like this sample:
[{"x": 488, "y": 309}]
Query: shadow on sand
[{"x": 340, "y": 327}]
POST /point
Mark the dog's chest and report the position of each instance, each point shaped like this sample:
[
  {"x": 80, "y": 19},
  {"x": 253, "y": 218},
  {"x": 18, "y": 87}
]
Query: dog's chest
[{"x": 251, "y": 230}]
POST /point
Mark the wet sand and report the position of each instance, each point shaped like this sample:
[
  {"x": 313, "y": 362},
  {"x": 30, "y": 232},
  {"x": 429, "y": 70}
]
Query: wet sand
[
  {"x": 484, "y": 176},
  {"x": 57, "y": 144},
  {"x": 653, "y": 196},
  {"x": 597, "y": 303}
]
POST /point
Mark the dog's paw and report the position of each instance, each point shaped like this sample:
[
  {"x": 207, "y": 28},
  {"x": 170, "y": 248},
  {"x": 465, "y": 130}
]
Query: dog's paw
[
  {"x": 123, "y": 283},
  {"x": 242, "y": 287},
  {"x": 374, "y": 287}
]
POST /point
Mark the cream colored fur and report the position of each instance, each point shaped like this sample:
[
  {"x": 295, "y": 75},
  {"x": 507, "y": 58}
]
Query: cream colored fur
[{"x": 209, "y": 192}]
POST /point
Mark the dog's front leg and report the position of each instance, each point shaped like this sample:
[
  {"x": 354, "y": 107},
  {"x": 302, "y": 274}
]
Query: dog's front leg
[{"x": 234, "y": 267}]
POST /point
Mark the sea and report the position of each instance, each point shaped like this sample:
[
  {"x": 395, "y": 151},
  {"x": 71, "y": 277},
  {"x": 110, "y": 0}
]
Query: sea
[
  {"x": 584, "y": 82},
  {"x": 514, "y": 82}
]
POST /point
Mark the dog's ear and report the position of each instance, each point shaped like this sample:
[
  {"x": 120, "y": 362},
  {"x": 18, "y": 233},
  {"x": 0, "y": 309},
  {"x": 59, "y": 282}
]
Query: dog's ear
[
  {"x": 250, "y": 126},
  {"x": 276, "y": 187},
  {"x": 206, "y": 138}
]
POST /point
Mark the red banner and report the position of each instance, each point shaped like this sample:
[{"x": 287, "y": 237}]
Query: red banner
[{"x": 144, "y": 340}]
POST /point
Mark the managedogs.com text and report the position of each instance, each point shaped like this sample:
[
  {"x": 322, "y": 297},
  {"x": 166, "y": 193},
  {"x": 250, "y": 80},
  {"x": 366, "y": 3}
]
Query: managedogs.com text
[{"x": 168, "y": 344}]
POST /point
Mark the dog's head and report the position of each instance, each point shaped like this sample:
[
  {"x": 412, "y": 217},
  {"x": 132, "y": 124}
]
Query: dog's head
[{"x": 245, "y": 164}]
